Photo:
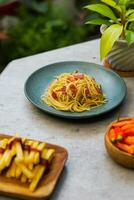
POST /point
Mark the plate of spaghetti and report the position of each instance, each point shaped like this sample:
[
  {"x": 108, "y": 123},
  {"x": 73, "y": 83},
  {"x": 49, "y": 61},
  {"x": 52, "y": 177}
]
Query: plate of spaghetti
[{"x": 75, "y": 89}]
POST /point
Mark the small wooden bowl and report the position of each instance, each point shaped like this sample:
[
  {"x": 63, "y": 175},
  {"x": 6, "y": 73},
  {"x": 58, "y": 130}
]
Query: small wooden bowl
[{"x": 121, "y": 157}]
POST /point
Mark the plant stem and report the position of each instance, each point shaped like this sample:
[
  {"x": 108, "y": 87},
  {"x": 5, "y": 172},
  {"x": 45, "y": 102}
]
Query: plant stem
[{"x": 123, "y": 22}]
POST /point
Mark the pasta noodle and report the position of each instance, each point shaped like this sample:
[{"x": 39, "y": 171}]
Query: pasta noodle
[{"x": 75, "y": 92}]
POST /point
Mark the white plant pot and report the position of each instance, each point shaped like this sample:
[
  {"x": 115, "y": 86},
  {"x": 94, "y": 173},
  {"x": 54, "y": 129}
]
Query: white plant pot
[{"x": 121, "y": 57}]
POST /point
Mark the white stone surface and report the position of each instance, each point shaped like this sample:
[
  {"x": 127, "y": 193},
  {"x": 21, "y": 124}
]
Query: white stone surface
[{"x": 90, "y": 174}]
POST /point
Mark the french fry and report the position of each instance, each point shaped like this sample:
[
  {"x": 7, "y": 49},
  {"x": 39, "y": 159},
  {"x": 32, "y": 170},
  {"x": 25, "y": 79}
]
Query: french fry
[
  {"x": 26, "y": 152},
  {"x": 24, "y": 140},
  {"x": 17, "y": 135},
  {"x": 13, "y": 170},
  {"x": 40, "y": 169},
  {"x": 6, "y": 157},
  {"x": 23, "y": 179},
  {"x": 8, "y": 173},
  {"x": 3, "y": 144},
  {"x": 25, "y": 170},
  {"x": 30, "y": 166},
  {"x": 18, "y": 172},
  {"x": 2, "y": 161},
  {"x": 24, "y": 162},
  {"x": 19, "y": 152},
  {"x": 11, "y": 154},
  {"x": 40, "y": 147},
  {"x": 39, "y": 172},
  {"x": 26, "y": 155},
  {"x": 30, "y": 156},
  {"x": 32, "y": 153},
  {"x": 29, "y": 142}
]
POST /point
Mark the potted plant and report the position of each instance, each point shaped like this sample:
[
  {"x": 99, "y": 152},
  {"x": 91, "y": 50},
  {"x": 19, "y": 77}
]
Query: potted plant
[{"x": 117, "y": 42}]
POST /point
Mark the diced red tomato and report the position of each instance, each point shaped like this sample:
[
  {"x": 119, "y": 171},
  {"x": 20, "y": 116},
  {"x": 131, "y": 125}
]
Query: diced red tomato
[
  {"x": 87, "y": 92},
  {"x": 63, "y": 90},
  {"x": 54, "y": 95},
  {"x": 71, "y": 79},
  {"x": 78, "y": 76},
  {"x": 73, "y": 88}
]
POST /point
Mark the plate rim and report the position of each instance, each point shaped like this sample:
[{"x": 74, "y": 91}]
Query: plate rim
[{"x": 68, "y": 116}]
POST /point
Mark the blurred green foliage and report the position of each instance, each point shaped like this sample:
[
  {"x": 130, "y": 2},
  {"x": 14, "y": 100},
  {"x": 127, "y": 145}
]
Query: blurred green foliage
[
  {"x": 131, "y": 26},
  {"x": 43, "y": 27},
  {"x": 4, "y": 1}
]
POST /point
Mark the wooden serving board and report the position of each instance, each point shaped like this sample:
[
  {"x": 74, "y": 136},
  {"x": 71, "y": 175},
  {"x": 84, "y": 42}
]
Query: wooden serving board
[{"x": 14, "y": 188}]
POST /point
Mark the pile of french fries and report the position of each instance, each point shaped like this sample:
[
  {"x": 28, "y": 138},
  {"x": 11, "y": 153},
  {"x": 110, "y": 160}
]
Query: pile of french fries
[{"x": 24, "y": 159}]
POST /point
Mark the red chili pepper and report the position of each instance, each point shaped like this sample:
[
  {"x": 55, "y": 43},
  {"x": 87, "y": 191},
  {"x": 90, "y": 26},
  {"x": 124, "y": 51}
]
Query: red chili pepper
[{"x": 112, "y": 135}]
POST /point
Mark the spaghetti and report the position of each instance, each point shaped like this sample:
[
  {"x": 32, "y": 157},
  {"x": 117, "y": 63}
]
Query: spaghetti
[{"x": 75, "y": 92}]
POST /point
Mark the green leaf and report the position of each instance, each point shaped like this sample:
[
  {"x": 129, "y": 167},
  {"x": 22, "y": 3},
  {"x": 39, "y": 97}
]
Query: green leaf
[
  {"x": 112, "y": 4},
  {"x": 123, "y": 2},
  {"x": 130, "y": 2},
  {"x": 103, "y": 10},
  {"x": 130, "y": 36},
  {"x": 131, "y": 17},
  {"x": 110, "y": 35},
  {"x": 130, "y": 11},
  {"x": 98, "y": 21},
  {"x": 93, "y": 16}
]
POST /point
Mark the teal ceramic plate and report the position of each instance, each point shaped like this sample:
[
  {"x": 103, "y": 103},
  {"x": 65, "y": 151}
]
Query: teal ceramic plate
[{"x": 113, "y": 87}]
